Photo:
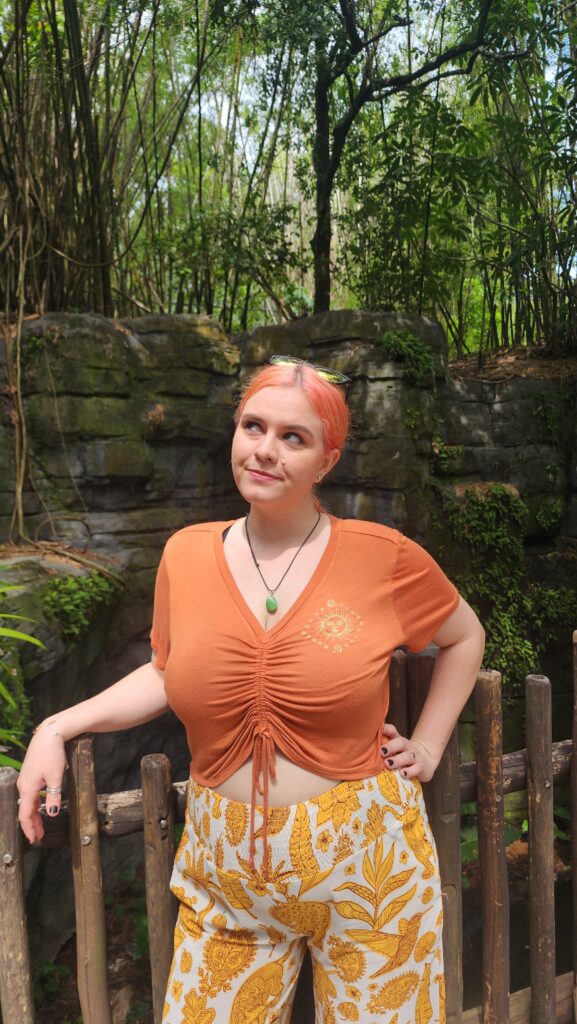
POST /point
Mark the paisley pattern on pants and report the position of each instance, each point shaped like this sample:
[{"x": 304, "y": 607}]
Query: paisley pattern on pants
[{"x": 353, "y": 874}]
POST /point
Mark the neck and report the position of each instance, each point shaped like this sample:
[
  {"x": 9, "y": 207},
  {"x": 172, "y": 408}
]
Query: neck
[{"x": 286, "y": 526}]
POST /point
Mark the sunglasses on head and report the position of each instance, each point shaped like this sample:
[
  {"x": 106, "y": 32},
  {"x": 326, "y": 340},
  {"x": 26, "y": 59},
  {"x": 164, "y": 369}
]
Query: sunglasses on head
[{"x": 332, "y": 376}]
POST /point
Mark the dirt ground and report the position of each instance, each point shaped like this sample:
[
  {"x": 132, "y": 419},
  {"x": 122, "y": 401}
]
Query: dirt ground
[
  {"x": 129, "y": 982},
  {"x": 505, "y": 364}
]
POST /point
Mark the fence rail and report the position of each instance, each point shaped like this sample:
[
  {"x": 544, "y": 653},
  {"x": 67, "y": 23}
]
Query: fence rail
[{"x": 160, "y": 804}]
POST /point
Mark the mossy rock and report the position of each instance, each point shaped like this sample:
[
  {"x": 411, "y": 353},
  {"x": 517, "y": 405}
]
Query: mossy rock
[
  {"x": 131, "y": 460},
  {"x": 72, "y": 417},
  {"x": 192, "y": 342},
  {"x": 169, "y": 381}
]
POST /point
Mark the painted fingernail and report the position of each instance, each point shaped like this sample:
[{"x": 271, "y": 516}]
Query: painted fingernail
[
  {"x": 404, "y": 774},
  {"x": 390, "y": 761},
  {"x": 53, "y": 810},
  {"x": 384, "y": 750}
]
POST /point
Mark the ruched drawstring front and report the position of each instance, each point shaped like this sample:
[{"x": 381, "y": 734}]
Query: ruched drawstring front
[{"x": 263, "y": 767}]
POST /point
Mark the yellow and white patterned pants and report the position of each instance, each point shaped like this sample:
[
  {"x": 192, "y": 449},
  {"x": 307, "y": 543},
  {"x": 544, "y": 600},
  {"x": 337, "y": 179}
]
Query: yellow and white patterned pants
[{"x": 352, "y": 874}]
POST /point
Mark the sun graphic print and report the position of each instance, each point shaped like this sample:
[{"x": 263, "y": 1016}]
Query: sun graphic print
[{"x": 335, "y": 627}]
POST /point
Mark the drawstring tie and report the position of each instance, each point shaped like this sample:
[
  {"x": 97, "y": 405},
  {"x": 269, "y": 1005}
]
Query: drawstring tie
[{"x": 263, "y": 764}]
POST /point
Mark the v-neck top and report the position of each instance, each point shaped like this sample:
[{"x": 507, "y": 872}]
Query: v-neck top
[{"x": 315, "y": 685}]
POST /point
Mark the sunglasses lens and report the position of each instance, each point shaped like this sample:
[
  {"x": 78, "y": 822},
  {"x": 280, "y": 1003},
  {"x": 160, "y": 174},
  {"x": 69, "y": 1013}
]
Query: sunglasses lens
[
  {"x": 285, "y": 361},
  {"x": 332, "y": 376}
]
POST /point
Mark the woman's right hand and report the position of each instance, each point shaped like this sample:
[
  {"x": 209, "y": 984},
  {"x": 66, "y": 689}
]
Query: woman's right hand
[{"x": 43, "y": 766}]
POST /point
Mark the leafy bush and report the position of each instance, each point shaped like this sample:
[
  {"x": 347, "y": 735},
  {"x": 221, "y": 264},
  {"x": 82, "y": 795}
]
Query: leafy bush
[
  {"x": 411, "y": 352},
  {"x": 519, "y": 616},
  {"x": 71, "y": 600}
]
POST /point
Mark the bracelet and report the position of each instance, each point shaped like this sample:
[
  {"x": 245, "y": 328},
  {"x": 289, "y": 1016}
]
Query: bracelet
[{"x": 47, "y": 726}]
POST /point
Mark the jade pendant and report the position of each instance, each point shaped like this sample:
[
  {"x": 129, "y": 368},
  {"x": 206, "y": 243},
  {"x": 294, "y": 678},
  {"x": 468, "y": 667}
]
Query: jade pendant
[{"x": 271, "y": 603}]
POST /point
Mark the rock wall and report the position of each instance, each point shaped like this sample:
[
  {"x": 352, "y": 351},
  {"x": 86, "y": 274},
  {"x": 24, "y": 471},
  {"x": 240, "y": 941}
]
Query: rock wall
[{"x": 129, "y": 427}]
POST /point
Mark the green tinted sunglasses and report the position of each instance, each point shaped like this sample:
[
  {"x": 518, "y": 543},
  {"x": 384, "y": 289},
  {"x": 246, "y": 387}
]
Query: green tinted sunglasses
[{"x": 332, "y": 376}]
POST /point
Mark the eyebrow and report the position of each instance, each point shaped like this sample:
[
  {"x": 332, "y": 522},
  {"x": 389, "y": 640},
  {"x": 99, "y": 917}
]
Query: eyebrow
[{"x": 285, "y": 426}]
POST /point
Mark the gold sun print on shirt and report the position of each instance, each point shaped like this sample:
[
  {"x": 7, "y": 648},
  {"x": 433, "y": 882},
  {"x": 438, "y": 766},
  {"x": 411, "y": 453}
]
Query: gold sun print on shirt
[{"x": 334, "y": 627}]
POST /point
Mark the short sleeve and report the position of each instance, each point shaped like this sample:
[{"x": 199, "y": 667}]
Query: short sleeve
[
  {"x": 423, "y": 596},
  {"x": 160, "y": 632}
]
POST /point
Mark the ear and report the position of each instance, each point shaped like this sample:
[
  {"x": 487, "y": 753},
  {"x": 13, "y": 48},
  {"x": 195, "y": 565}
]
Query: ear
[{"x": 330, "y": 460}]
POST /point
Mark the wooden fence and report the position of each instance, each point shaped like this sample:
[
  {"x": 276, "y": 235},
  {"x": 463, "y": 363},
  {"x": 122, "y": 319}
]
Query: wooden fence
[{"x": 160, "y": 804}]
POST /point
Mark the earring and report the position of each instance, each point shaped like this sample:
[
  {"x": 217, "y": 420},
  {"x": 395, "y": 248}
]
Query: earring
[{"x": 319, "y": 478}]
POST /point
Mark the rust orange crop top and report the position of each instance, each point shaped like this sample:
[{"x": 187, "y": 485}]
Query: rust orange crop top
[{"x": 315, "y": 685}]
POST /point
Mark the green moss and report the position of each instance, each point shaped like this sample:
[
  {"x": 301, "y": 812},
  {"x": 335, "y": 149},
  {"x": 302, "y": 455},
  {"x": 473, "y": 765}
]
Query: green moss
[
  {"x": 549, "y": 513},
  {"x": 554, "y": 418},
  {"x": 31, "y": 349},
  {"x": 446, "y": 457},
  {"x": 413, "y": 420},
  {"x": 411, "y": 352},
  {"x": 518, "y": 615},
  {"x": 71, "y": 601}
]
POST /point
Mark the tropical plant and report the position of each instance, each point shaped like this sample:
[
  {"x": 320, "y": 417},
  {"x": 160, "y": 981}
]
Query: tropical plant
[{"x": 14, "y": 711}]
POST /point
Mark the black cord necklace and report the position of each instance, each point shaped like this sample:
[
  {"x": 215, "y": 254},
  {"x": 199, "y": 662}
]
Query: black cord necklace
[{"x": 271, "y": 601}]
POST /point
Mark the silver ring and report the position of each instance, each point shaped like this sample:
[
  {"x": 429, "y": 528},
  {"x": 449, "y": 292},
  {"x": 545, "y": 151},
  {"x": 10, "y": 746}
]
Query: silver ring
[{"x": 54, "y": 789}]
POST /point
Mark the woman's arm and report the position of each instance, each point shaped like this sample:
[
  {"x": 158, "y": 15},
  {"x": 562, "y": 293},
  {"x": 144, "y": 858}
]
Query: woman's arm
[
  {"x": 134, "y": 699},
  {"x": 461, "y": 641}
]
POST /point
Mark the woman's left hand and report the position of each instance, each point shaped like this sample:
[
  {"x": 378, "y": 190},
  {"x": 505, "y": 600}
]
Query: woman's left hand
[{"x": 410, "y": 757}]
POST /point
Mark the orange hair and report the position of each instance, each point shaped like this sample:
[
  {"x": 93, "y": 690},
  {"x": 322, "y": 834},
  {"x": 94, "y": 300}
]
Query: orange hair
[{"x": 327, "y": 400}]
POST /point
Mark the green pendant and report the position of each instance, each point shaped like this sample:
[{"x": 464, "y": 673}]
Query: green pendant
[{"x": 271, "y": 603}]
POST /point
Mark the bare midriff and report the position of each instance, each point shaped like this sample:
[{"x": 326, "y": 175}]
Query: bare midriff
[{"x": 292, "y": 785}]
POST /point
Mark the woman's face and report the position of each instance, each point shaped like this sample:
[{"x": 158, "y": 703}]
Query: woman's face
[{"x": 278, "y": 449}]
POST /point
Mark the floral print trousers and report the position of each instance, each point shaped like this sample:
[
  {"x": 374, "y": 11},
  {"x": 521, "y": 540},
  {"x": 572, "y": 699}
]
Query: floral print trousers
[{"x": 352, "y": 874}]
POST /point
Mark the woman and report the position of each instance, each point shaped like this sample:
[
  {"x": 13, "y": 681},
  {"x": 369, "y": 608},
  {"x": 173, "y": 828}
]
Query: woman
[{"x": 272, "y": 638}]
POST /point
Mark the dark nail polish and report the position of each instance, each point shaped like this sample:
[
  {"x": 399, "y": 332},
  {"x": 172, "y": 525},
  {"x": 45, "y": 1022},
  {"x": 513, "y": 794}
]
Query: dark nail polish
[
  {"x": 53, "y": 810},
  {"x": 404, "y": 774},
  {"x": 384, "y": 750},
  {"x": 390, "y": 761}
]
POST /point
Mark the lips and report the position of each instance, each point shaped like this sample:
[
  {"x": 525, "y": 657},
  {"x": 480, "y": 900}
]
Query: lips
[{"x": 259, "y": 474}]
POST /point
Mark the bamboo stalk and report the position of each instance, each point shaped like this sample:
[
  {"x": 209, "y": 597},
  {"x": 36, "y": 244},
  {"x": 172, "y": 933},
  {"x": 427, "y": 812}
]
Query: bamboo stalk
[
  {"x": 492, "y": 859},
  {"x": 15, "y": 978},
  {"x": 443, "y": 800},
  {"x": 541, "y": 873},
  {"x": 87, "y": 876},
  {"x": 161, "y": 905},
  {"x": 574, "y": 824}
]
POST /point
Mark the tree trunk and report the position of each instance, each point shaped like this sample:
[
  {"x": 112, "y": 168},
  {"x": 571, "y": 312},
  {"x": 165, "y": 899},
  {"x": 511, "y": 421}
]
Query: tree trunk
[{"x": 321, "y": 240}]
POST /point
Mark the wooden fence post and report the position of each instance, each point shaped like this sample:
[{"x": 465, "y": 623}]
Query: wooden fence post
[
  {"x": 492, "y": 859},
  {"x": 541, "y": 872},
  {"x": 161, "y": 905},
  {"x": 87, "y": 877},
  {"x": 398, "y": 694},
  {"x": 15, "y": 978},
  {"x": 443, "y": 798},
  {"x": 574, "y": 824}
]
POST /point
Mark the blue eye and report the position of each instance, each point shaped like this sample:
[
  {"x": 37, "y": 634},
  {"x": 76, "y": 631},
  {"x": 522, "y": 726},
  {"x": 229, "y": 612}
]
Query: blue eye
[{"x": 293, "y": 437}]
